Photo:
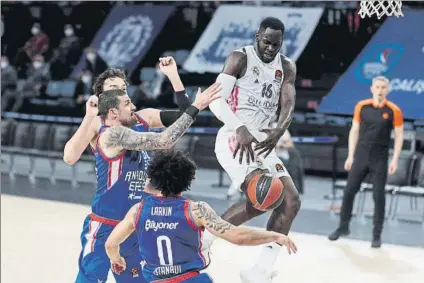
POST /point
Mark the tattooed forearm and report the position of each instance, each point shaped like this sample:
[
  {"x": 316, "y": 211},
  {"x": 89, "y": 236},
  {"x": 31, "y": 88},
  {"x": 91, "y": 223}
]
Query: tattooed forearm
[
  {"x": 126, "y": 138},
  {"x": 202, "y": 211}
]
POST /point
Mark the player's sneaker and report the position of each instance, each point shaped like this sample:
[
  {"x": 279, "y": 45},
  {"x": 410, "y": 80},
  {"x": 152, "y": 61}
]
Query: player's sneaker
[{"x": 256, "y": 275}]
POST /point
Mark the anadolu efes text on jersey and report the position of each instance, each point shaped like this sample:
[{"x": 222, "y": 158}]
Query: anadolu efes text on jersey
[
  {"x": 170, "y": 242},
  {"x": 255, "y": 97},
  {"x": 120, "y": 180}
]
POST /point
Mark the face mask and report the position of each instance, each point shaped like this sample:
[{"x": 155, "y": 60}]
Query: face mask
[
  {"x": 35, "y": 30},
  {"x": 37, "y": 64},
  {"x": 86, "y": 78},
  {"x": 91, "y": 56},
  {"x": 4, "y": 64},
  {"x": 69, "y": 32}
]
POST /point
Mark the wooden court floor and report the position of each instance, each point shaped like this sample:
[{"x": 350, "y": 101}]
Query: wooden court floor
[{"x": 40, "y": 244}]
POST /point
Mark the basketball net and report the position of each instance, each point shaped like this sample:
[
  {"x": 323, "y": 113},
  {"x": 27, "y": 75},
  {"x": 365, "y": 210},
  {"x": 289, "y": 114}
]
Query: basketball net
[{"x": 381, "y": 8}]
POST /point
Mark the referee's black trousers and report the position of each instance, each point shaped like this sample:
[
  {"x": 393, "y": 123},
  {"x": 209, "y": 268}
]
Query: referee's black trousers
[{"x": 368, "y": 160}]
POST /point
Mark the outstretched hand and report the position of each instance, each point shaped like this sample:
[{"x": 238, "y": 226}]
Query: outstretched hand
[
  {"x": 267, "y": 145},
  {"x": 244, "y": 145}
]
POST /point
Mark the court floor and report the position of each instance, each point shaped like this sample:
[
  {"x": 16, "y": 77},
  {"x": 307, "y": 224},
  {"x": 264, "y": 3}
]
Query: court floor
[{"x": 40, "y": 244}]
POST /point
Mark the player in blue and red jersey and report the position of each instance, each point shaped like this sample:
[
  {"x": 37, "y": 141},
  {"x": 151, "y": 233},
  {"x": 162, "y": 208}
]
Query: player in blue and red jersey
[
  {"x": 121, "y": 151},
  {"x": 169, "y": 226}
]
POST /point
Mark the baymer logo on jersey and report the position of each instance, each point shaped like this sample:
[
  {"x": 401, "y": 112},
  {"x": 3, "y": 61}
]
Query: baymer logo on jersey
[
  {"x": 126, "y": 39},
  {"x": 155, "y": 226}
]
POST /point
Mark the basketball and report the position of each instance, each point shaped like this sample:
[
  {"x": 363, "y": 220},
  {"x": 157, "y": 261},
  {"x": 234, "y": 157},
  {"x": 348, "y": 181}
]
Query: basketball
[{"x": 265, "y": 192}]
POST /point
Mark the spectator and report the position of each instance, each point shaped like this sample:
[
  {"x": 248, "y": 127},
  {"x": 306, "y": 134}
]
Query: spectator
[
  {"x": 66, "y": 55},
  {"x": 38, "y": 44},
  {"x": 292, "y": 159},
  {"x": 83, "y": 89},
  {"x": 37, "y": 77},
  {"x": 94, "y": 62},
  {"x": 9, "y": 77}
]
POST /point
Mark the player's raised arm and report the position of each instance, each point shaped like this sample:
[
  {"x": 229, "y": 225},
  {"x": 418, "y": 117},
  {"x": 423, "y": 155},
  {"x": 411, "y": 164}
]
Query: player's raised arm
[
  {"x": 205, "y": 216},
  {"x": 164, "y": 118},
  {"x": 287, "y": 102},
  {"x": 84, "y": 134},
  {"x": 234, "y": 68},
  {"x": 117, "y": 138}
]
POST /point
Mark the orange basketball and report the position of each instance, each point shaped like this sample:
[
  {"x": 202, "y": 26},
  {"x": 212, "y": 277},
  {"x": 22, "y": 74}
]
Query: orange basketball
[{"x": 265, "y": 192}]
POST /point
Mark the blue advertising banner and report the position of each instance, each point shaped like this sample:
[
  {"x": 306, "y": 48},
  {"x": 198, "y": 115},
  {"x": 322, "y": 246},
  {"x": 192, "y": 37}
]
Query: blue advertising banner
[
  {"x": 127, "y": 34},
  {"x": 397, "y": 52},
  {"x": 234, "y": 26}
]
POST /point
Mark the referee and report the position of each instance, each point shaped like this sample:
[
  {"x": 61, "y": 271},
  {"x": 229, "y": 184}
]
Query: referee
[{"x": 369, "y": 139}]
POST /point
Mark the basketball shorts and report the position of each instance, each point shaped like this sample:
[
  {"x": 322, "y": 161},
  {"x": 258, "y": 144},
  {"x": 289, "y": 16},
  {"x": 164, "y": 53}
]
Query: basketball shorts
[
  {"x": 94, "y": 264},
  {"x": 224, "y": 149}
]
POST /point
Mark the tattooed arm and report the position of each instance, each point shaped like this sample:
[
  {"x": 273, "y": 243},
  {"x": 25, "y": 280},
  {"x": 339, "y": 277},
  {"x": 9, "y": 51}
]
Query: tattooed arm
[
  {"x": 117, "y": 138},
  {"x": 206, "y": 217}
]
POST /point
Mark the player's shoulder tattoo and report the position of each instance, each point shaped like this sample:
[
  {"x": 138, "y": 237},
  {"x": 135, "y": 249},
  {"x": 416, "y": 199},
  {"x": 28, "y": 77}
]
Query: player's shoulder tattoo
[{"x": 203, "y": 211}]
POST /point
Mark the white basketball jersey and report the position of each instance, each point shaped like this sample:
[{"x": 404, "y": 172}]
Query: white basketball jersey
[{"x": 255, "y": 97}]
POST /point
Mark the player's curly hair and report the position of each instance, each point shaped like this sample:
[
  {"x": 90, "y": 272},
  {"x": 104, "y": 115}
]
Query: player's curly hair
[
  {"x": 171, "y": 172},
  {"x": 109, "y": 73}
]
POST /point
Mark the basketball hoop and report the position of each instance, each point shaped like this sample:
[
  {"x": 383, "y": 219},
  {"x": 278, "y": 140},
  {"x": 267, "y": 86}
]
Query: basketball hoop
[{"x": 381, "y": 8}]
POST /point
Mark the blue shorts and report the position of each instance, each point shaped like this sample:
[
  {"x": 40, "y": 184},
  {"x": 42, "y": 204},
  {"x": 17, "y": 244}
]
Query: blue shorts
[{"x": 94, "y": 264}]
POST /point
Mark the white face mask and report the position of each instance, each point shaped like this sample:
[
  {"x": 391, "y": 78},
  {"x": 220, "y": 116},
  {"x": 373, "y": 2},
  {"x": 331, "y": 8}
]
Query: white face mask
[
  {"x": 69, "y": 32},
  {"x": 35, "y": 30},
  {"x": 86, "y": 78},
  {"x": 4, "y": 64},
  {"x": 91, "y": 56},
  {"x": 37, "y": 64}
]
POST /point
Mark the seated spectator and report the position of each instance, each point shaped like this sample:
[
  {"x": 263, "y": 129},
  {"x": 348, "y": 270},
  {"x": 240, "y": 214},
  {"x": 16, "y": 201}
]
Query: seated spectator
[
  {"x": 35, "y": 84},
  {"x": 38, "y": 44},
  {"x": 83, "y": 89},
  {"x": 66, "y": 55},
  {"x": 94, "y": 62},
  {"x": 292, "y": 159},
  {"x": 9, "y": 77}
]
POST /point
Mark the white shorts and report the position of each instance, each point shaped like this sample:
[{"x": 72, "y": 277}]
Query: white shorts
[{"x": 224, "y": 148}]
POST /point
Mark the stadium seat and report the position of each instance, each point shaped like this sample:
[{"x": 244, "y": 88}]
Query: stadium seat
[
  {"x": 181, "y": 56},
  {"x": 414, "y": 190},
  {"x": 130, "y": 90},
  {"x": 67, "y": 88},
  {"x": 61, "y": 134},
  {"x": 147, "y": 74},
  {"x": 42, "y": 136},
  {"x": 53, "y": 88},
  {"x": 7, "y": 130}
]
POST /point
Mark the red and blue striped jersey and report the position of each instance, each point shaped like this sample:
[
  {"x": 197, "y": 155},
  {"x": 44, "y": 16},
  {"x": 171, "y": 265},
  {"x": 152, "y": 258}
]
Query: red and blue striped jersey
[{"x": 120, "y": 180}]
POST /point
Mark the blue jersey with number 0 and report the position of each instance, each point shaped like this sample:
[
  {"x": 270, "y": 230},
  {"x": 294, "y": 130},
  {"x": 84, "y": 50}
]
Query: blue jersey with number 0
[{"x": 170, "y": 241}]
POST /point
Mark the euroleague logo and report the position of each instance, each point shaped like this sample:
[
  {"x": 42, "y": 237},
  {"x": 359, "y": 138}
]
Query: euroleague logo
[
  {"x": 380, "y": 60},
  {"x": 126, "y": 40}
]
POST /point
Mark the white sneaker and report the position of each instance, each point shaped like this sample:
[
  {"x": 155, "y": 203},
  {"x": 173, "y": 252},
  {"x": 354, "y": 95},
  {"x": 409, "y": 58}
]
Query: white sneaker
[{"x": 256, "y": 275}]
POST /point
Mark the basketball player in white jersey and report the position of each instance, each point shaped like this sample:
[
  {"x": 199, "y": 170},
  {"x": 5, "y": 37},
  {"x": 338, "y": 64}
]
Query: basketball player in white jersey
[{"x": 256, "y": 81}]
